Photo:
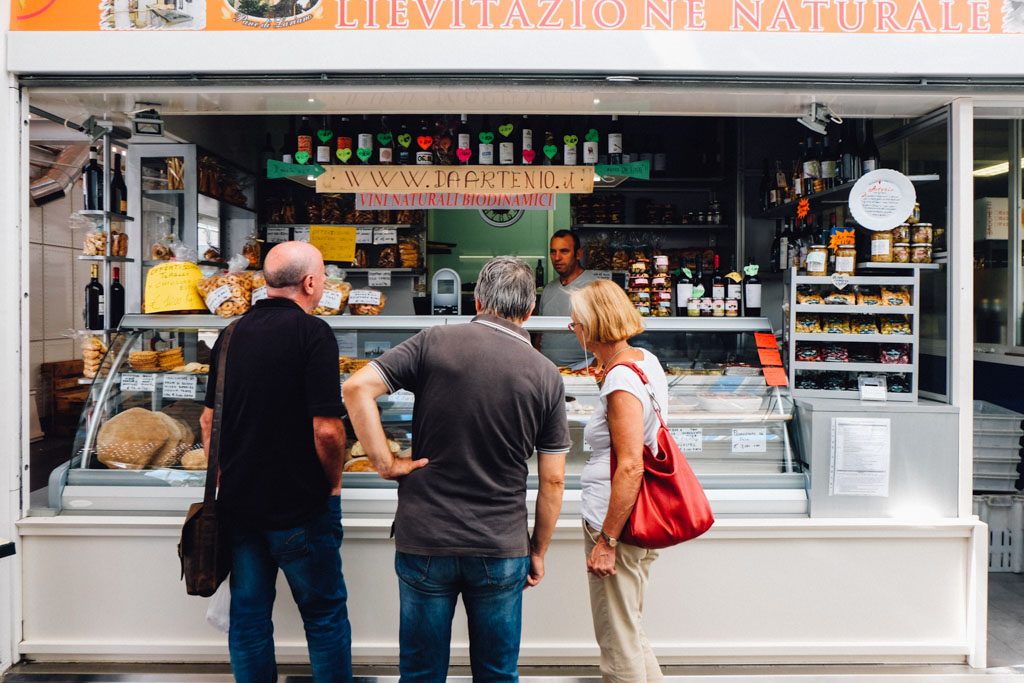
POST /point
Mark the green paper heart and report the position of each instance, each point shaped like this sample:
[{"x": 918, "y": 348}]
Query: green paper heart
[
  {"x": 592, "y": 135},
  {"x": 550, "y": 151},
  {"x": 324, "y": 135},
  {"x": 486, "y": 138},
  {"x": 506, "y": 129},
  {"x": 384, "y": 138},
  {"x": 405, "y": 140},
  {"x": 364, "y": 154},
  {"x": 344, "y": 154},
  {"x": 302, "y": 157},
  {"x": 571, "y": 140}
]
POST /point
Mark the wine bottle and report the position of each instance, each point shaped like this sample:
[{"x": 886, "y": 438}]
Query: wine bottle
[
  {"x": 766, "y": 189},
  {"x": 267, "y": 153},
  {"x": 829, "y": 163},
  {"x": 92, "y": 183},
  {"x": 116, "y": 299},
  {"x": 405, "y": 155},
  {"x": 751, "y": 290},
  {"x": 94, "y": 301},
  {"x": 684, "y": 290},
  {"x": 424, "y": 149},
  {"x": 733, "y": 281},
  {"x": 485, "y": 151},
  {"x": 385, "y": 143},
  {"x": 590, "y": 146},
  {"x": 444, "y": 142},
  {"x": 323, "y": 146},
  {"x": 304, "y": 141},
  {"x": 506, "y": 142},
  {"x": 871, "y": 156},
  {"x": 698, "y": 278},
  {"x": 570, "y": 141},
  {"x": 118, "y": 189},
  {"x": 781, "y": 184},
  {"x": 538, "y": 273},
  {"x": 343, "y": 150},
  {"x": 288, "y": 145},
  {"x": 782, "y": 259},
  {"x": 526, "y": 129},
  {"x": 364, "y": 140},
  {"x": 717, "y": 281},
  {"x": 463, "y": 140},
  {"x": 850, "y": 161},
  {"x": 551, "y": 150},
  {"x": 615, "y": 141}
]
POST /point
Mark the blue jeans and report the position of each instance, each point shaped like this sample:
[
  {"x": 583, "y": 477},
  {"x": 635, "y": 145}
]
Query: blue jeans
[
  {"x": 310, "y": 556},
  {"x": 492, "y": 590}
]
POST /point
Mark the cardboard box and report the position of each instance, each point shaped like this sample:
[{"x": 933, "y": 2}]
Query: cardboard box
[{"x": 991, "y": 218}]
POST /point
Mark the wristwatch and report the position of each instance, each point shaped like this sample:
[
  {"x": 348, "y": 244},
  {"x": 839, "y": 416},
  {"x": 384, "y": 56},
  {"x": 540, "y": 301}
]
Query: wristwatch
[{"x": 612, "y": 542}]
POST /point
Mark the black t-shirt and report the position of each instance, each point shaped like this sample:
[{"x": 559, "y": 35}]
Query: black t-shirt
[
  {"x": 282, "y": 372},
  {"x": 485, "y": 399}
]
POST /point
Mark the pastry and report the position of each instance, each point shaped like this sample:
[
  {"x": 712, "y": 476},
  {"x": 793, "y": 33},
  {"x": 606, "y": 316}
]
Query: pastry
[{"x": 194, "y": 459}]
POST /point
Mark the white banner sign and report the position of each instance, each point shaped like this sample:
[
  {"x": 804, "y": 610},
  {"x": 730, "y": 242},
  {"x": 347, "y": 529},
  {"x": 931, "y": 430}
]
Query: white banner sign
[{"x": 368, "y": 201}]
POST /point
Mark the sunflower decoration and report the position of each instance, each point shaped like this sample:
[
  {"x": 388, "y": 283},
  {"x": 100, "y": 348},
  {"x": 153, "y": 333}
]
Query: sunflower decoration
[
  {"x": 841, "y": 237},
  {"x": 803, "y": 208}
]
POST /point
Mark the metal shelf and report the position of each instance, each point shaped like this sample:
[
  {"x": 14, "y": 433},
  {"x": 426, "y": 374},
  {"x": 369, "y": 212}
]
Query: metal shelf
[
  {"x": 870, "y": 265},
  {"x": 101, "y": 216},
  {"x": 393, "y": 271},
  {"x": 855, "y": 280},
  {"x": 644, "y": 226},
  {"x": 400, "y": 226},
  {"x": 837, "y": 195},
  {"x": 843, "y": 394},
  {"x": 839, "y": 308},
  {"x": 875, "y": 338},
  {"x": 851, "y": 367},
  {"x": 106, "y": 259}
]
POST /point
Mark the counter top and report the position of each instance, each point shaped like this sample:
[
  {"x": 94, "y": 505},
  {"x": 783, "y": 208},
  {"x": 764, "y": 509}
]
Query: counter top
[{"x": 832, "y": 405}]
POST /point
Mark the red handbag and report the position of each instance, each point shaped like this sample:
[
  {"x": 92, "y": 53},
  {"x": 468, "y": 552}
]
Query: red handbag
[{"x": 671, "y": 506}]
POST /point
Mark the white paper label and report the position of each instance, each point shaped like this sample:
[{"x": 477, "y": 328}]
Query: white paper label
[
  {"x": 386, "y": 155},
  {"x": 372, "y": 349},
  {"x": 364, "y": 296},
  {"x": 258, "y": 294},
  {"x": 816, "y": 261},
  {"x": 385, "y": 236},
  {"x": 277, "y": 233},
  {"x": 365, "y": 140},
  {"x": 845, "y": 264},
  {"x": 486, "y": 154},
  {"x": 330, "y": 299},
  {"x": 753, "y": 295},
  {"x": 217, "y": 297},
  {"x": 615, "y": 143},
  {"x": 732, "y": 290},
  {"x": 569, "y": 155},
  {"x": 601, "y": 274},
  {"x": 589, "y": 152},
  {"x": 364, "y": 235},
  {"x": 180, "y": 386},
  {"x": 506, "y": 153},
  {"x": 133, "y": 381},
  {"x": 323, "y": 154},
  {"x": 751, "y": 440},
  {"x": 347, "y": 344},
  {"x": 690, "y": 439},
  {"x": 860, "y": 457},
  {"x": 301, "y": 234},
  {"x": 527, "y": 138},
  {"x": 379, "y": 278},
  {"x": 463, "y": 140},
  {"x": 880, "y": 247},
  {"x": 840, "y": 281}
]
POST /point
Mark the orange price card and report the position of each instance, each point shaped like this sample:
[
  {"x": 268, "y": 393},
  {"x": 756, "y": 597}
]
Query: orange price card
[
  {"x": 775, "y": 377},
  {"x": 765, "y": 340},
  {"x": 769, "y": 357}
]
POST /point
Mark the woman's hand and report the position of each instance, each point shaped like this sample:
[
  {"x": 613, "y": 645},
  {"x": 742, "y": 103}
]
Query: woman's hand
[{"x": 601, "y": 562}]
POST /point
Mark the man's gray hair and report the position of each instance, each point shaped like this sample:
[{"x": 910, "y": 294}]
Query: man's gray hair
[
  {"x": 291, "y": 273},
  {"x": 506, "y": 288}
]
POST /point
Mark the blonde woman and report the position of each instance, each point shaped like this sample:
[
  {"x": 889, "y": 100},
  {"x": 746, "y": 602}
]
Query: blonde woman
[{"x": 604, "y": 321}]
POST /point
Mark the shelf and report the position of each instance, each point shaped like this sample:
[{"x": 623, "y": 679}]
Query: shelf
[
  {"x": 229, "y": 203},
  {"x": 100, "y": 216},
  {"x": 401, "y": 226},
  {"x": 854, "y": 338},
  {"x": 662, "y": 184},
  {"x": 898, "y": 266},
  {"x": 837, "y": 195},
  {"x": 854, "y": 395},
  {"x": 106, "y": 259},
  {"x": 856, "y": 280},
  {"x": 158, "y": 192},
  {"x": 393, "y": 271},
  {"x": 850, "y": 367},
  {"x": 641, "y": 226},
  {"x": 839, "y": 308}
]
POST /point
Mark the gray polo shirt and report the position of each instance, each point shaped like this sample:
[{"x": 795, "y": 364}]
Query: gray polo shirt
[
  {"x": 562, "y": 348},
  {"x": 485, "y": 399}
]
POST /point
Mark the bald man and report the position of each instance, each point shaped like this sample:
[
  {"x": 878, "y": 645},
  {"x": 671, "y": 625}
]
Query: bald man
[{"x": 282, "y": 449}]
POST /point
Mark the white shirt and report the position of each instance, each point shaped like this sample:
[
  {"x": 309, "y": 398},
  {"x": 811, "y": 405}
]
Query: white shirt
[
  {"x": 596, "y": 481},
  {"x": 562, "y": 347}
]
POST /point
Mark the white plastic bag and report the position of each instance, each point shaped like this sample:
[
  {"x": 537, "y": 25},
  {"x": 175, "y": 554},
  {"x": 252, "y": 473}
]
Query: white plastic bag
[{"x": 218, "y": 614}]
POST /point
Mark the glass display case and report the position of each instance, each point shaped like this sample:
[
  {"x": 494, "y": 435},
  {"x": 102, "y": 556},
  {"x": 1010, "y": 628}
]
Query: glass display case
[{"x": 138, "y": 447}]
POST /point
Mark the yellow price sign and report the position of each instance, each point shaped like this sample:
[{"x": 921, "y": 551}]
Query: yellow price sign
[
  {"x": 171, "y": 287},
  {"x": 336, "y": 243}
]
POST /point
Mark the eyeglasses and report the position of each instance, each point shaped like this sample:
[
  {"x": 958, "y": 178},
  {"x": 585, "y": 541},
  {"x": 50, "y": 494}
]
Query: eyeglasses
[{"x": 573, "y": 325}]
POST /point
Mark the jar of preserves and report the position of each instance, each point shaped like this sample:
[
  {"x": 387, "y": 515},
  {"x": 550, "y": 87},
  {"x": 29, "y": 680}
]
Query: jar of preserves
[
  {"x": 718, "y": 308},
  {"x": 881, "y": 246},
  {"x": 846, "y": 260},
  {"x": 817, "y": 260},
  {"x": 706, "y": 307},
  {"x": 901, "y": 233},
  {"x": 693, "y": 308},
  {"x": 921, "y": 253},
  {"x": 901, "y": 252},
  {"x": 915, "y": 217},
  {"x": 732, "y": 308},
  {"x": 921, "y": 233}
]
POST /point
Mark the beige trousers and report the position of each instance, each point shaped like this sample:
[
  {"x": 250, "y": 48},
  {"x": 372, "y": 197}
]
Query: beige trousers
[{"x": 617, "y": 605}]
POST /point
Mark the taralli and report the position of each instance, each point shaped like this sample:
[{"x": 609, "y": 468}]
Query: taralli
[
  {"x": 95, "y": 243},
  {"x": 367, "y": 302},
  {"x": 335, "y": 295},
  {"x": 228, "y": 294}
]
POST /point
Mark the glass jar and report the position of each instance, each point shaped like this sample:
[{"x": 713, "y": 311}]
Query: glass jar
[
  {"x": 915, "y": 217},
  {"x": 921, "y": 253},
  {"x": 901, "y": 233},
  {"x": 718, "y": 308},
  {"x": 901, "y": 252},
  {"x": 817, "y": 260},
  {"x": 693, "y": 308},
  {"x": 732, "y": 308},
  {"x": 921, "y": 233},
  {"x": 881, "y": 246},
  {"x": 846, "y": 260}
]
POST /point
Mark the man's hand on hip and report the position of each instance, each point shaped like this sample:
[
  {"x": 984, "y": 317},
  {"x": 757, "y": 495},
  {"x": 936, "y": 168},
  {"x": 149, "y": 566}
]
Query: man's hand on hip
[{"x": 401, "y": 467}]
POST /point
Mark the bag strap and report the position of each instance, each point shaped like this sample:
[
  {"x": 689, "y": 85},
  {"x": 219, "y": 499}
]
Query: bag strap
[
  {"x": 647, "y": 385},
  {"x": 218, "y": 412}
]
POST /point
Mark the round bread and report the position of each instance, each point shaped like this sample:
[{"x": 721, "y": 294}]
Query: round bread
[
  {"x": 195, "y": 459},
  {"x": 170, "y": 454},
  {"x": 359, "y": 465},
  {"x": 130, "y": 440}
]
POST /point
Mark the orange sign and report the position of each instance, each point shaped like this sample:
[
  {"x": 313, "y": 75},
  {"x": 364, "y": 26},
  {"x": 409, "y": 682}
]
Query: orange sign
[{"x": 897, "y": 17}]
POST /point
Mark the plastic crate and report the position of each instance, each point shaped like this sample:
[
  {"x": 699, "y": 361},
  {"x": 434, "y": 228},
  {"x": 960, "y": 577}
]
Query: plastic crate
[
  {"x": 990, "y": 417},
  {"x": 1004, "y": 516},
  {"x": 996, "y": 484},
  {"x": 996, "y": 468},
  {"x": 984, "y": 439},
  {"x": 1011, "y": 454}
]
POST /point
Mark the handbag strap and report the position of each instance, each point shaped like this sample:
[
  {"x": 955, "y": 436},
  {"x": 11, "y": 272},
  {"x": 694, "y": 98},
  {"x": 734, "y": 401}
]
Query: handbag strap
[
  {"x": 647, "y": 385},
  {"x": 218, "y": 412}
]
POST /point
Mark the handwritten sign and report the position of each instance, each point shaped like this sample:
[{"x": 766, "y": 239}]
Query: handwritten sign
[
  {"x": 690, "y": 439},
  {"x": 171, "y": 288},
  {"x": 464, "y": 179},
  {"x": 601, "y": 274},
  {"x": 385, "y": 236},
  {"x": 301, "y": 233},
  {"x": 379, "y": 278},
  {"x": 369, "y": 201},
  {"x": 364, "y": 235},
  {"x": 882, "y": 199},
  {"x": 765, "y": 340},
  {"x": 278, "y": 233},
  {"x": 634, "y": 169},
  {"x": 180, "y": 386},
  {"x": 364, "y": 296},
  {"x": 774, "y": 377},
  {"x": 750, "y": 440},
  {"x": 335, "y": 243},
  {"x": 840, "y": 281},
  {"x": 769, "y": 356},
  {"x": 134, "y": 381},
  {"x": 279, "y": 169}
]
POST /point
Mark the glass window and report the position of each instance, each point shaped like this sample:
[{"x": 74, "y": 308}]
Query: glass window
[{"x": 991, "y": 236}]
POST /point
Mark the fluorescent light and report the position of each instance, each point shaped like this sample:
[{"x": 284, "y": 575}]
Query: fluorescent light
[
  {"x": 997, "y": 169},
  {"x": 311, "y": 100},
  {"x": 597, "y": 101}
]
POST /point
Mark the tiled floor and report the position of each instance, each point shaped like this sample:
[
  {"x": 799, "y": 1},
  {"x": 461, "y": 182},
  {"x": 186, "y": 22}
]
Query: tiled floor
[{"x": 1005, "y": 620}]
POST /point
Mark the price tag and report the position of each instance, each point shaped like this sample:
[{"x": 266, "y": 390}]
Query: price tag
[
  {"x": 765, "y": 340},
  {"x": 840, "y": 281},
  {"x": 872, "y": 388},
  {"x": 217, "y": 297},
  {"x": 301, "y": 234},
  {"x": 133, "y": 381},
  {"x": 385, "y": 236},
  {"x": 402, "y": 399},
  {"x": 769, "y": 357},
  {"x": 775, "y": 377},
  {"x": 372, "y": 349},
  {"x": 347, "y": 345},
  {"x": 364, "y": 296},
  {"x": 690, "y": 439},
  {"x": 180, "y": 386},
  {"x": 277, "y": 233},
  {"x": 258, "y": 294},
  {"x": 751, "y": 440},
  {"x": 364, "y": 235},
  {"x": 379, "y": 278},
  {"x": 336, "y": 243},
  {"x": 330, "y": 299},
  {"x": 601, "y": 274}
]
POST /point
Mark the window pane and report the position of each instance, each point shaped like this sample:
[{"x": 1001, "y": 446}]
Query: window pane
[{"x": 991, "y": 192}]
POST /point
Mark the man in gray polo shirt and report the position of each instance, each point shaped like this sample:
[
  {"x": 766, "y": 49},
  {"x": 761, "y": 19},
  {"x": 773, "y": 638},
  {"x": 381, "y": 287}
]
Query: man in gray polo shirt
[
  {"x": 565, "y": 252},
  {"x": 485, "y": 400}
]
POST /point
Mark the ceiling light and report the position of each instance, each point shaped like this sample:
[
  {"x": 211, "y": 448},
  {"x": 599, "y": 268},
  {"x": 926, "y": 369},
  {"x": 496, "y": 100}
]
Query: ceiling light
[
  {"x": 818, "y": 118},
  {"x": 994, "y": 170},
  {"x": 597, "y": 101},
  {"x": 622, "y": 79},
  {"x": 311, "y": 100}
]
